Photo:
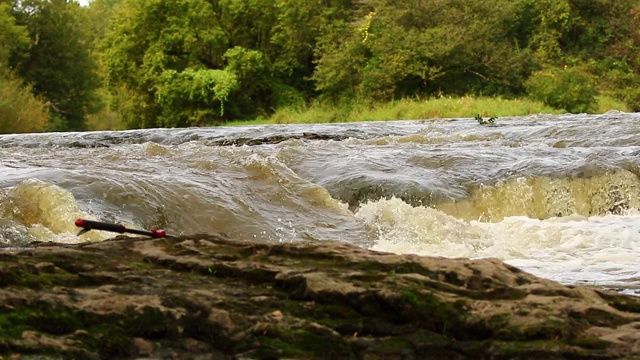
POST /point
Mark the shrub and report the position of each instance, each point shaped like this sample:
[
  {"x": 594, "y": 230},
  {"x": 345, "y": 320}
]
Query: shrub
[
  {"x": 20, "y": 111},
  {"x": 624, "y": 84},
  {"x": 571, "y": 89}
]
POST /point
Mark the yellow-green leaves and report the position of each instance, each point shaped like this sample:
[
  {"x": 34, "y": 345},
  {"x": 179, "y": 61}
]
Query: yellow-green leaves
[
  {"x": 190, "y": 97},
  {"x": 13, "y": 38},
  {"x": 569, "y": 88}
]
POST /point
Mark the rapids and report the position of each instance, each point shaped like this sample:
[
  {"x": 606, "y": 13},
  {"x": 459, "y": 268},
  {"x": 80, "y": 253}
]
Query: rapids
[{"x": 558, "y": 196}]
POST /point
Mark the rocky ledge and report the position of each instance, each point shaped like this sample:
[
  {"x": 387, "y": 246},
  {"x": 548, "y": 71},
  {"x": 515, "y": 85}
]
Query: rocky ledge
[{"x": 207, "y": 297}]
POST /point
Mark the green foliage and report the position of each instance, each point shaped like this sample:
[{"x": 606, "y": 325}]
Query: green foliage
[
  {"x": 285, "y": 53},
  {"x": 608, "y": 103},
  {"x": 398, "y": 49},
  {"x": 601, "y": 28},
  {"x": 631, "y": 95},
  {"x": 190, "y": 97},
  {"x": 148, "y": 38},
  {"x": 14, "y": 39},
  {"x": 20, "y": 111},
  {"x": 620, "y": 80},
  {"x": 201, "y": 62},
  {"x": 58, "y": 63},
  {"x": 96, "y": 20},
  {"x": 266, "y": 46},
  {"x": 246, "y": 63},
  {"x": 555, "y": 20},
  {"x": 571, "y": 89},
  {"x": 251, "y": 69}
]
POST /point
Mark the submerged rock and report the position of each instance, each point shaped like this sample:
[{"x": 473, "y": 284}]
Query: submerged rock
[{"x": 207, "y": 297}]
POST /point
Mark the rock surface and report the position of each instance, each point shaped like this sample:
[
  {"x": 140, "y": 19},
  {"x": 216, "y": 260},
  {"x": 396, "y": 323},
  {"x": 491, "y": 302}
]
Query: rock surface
[{"x": 207, "y": 297}]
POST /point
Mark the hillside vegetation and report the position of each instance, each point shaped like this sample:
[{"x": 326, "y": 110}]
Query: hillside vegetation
[{"x": 173, "y": 63}]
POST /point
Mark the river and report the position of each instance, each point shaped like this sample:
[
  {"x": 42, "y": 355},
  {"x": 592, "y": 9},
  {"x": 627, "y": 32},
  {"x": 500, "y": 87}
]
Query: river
[{"x": 556, "y": 195}]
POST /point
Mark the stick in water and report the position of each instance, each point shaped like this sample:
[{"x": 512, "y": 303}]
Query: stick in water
[{"x": 88, "y": 225}]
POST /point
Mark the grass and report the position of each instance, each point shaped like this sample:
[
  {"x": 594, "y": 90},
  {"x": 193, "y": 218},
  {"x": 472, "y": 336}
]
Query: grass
[
  {"x": 406, "y": 109},
  {"x": 607, "y": 103},
  {"x": 258, "y": 121},
  {"x": 410, "y": 109}
]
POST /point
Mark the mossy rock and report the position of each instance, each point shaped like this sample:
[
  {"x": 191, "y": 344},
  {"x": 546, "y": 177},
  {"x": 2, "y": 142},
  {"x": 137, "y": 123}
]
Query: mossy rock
[{"x": 135, "y": 298}]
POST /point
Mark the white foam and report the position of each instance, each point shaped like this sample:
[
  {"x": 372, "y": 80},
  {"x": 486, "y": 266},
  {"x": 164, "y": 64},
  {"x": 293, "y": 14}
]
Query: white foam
[{"x": 600, "y": 250}]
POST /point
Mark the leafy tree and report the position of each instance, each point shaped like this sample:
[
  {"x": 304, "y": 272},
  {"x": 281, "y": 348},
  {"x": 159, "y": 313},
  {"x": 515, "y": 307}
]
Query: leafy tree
[
  {"x": 98, "y": 19},
  {"x": 20, "y": 111},
  {"x": 300, "y": 25},
  {"x": 554, "y": 20},
  {"x": 191, "y": 96},
  {"x": 58, "y": 63},
  {"x": 620, "y": 79},
  {"x": 267, "y": 47},
  {"x": 393, "y": 49},
  {"x": 254, "y": 80},
  {"x": 610, "y": 45},
  {"x": 151, "y": 39},
  {"x": 490, "y": 56},
  {"x": 14, "y": 39},
  {"x": 196, "y": 62}
]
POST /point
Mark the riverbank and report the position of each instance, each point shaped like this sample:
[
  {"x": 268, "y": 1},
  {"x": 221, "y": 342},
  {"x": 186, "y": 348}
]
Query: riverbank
[
  {"x": 405, "y": 109},
  {"x": 206, "y": 296},
  {"x": 410, "y": 109}
]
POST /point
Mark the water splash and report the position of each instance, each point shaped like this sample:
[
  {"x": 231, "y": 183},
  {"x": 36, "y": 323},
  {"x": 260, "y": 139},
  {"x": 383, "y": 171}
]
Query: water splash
[
  {"x": 544, "y": 197},
  {"x": 597, "y": 250},
  {"x": 42, "y": 212}
]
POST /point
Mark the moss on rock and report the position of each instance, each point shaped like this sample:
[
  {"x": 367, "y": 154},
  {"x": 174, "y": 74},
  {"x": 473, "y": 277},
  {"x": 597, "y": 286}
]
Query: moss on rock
[{"x": 130, "y": 298}]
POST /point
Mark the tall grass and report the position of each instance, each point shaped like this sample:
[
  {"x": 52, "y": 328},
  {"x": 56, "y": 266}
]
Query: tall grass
[
  {"x": 20, "y": 111},
  {"x": 607, "y": 103},
  {"x": 448, "y": 107},
  {"x": 411, "y": 109}
]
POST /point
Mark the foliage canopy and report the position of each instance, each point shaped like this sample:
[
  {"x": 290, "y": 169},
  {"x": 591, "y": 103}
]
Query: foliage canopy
[{"x": 198, "y": 62}]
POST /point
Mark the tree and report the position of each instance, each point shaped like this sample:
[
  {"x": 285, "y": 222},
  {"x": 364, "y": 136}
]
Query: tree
[
  {"x": 151, "y": 44},
  {"x": 609, "y": 41},
  {"x": 394, "y": 49},
  {"x": 193, "y": 96},
  {"x": 97, "y": 18},
  {"x": 58, "y": 64},
  {"x": 595, "y": 39},
  {"x": 20, "y": 111},
  {"x": 197, "y": 62},
  {"x": 258, "y": 54},
  {"x": 14, "y": 39}
]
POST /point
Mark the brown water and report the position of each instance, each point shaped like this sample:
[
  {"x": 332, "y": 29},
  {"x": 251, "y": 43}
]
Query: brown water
[{"x": 555, "y": 195}]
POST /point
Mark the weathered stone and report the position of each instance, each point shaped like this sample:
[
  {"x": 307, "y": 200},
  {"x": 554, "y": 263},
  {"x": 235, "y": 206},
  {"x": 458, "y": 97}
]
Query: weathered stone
[
  {"x": 145, "y": 347},
  {"x": 208, "y": 297}
]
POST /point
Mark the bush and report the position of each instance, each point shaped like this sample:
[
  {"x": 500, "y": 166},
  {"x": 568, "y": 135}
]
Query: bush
[
  {"x": 571, "y": 89},
  {"x": 632, "y": 98},
  {"x": 623, "y": 83},
  {"x": 20, "y": 111}
]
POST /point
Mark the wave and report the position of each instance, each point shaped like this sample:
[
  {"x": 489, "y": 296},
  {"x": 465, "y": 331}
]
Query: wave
[
  {"x": 575, "y": 249},
  {"x": 37, "y": 211}
]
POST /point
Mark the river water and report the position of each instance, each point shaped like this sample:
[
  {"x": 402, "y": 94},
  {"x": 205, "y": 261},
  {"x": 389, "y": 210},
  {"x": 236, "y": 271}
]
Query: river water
[{"x": 558, "y": 196}]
